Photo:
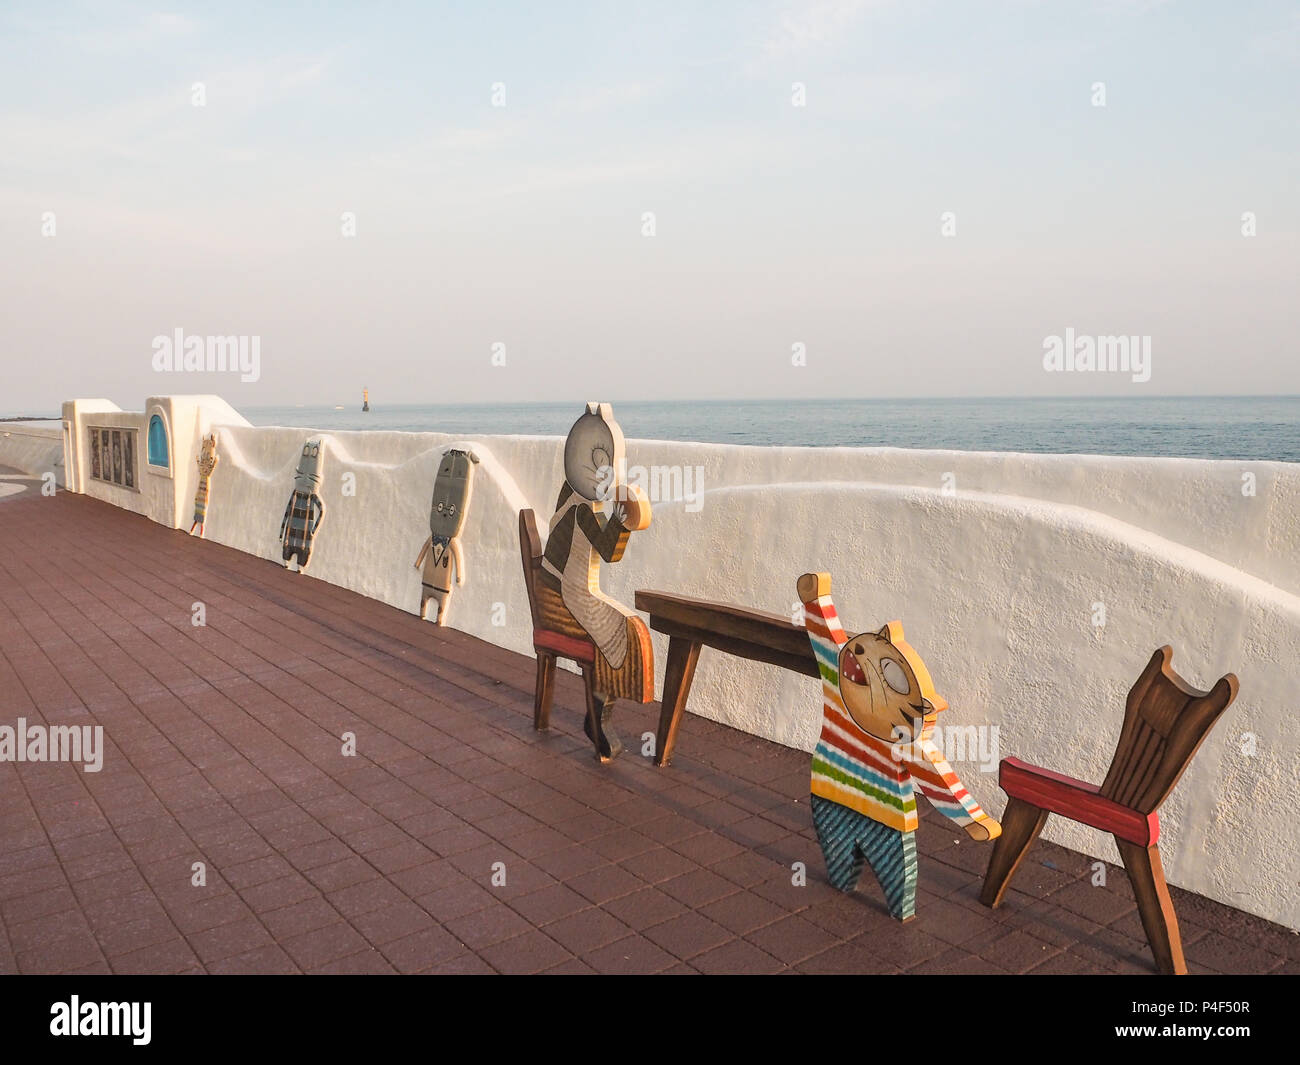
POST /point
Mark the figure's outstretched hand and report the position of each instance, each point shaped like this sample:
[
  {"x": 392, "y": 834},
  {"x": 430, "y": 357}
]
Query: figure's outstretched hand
[{"x": 981, "y": 831}]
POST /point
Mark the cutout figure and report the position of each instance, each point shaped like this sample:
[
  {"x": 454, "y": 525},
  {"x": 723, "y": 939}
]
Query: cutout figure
[
  {"x": 594, "y": 517},
  {"x": 303, "y": 512},
  {"x": 207, "y": 463},
  {"x": 441, "y": 552},
  {"x": 875, "y": 752}
]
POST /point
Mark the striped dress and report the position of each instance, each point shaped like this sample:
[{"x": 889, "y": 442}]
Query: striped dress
[
  {"x": 201, "y": 503},
  {"x": 861, "y": 772}
]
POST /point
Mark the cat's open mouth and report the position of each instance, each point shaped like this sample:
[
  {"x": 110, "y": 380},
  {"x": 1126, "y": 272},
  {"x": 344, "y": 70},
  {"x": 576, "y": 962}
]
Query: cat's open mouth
[{"x": 852, "y": 670}]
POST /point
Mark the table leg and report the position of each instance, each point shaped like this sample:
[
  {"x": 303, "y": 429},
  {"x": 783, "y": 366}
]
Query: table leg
[{"x": 678, "y": 674}]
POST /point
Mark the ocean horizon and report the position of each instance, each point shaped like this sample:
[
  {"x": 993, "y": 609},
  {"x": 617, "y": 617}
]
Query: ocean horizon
[{"x": 1205, "y": 427}]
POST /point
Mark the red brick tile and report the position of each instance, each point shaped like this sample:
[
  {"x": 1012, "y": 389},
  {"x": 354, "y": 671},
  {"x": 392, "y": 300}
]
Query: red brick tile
[
  {"x": 342, "y": 874},
  {"x": 549, "y": 904},
  {"x": 305, "y": 916},
  {"x": 172, "y": 956},
  {"x": 737, "y": 956},
  {"x": 423, "y": 950},
  {"x": 633, "y": 955},
  {"x": 658, "y": 865},
  {"x": 324, "y": 945},
  {"x": 30, "y": 935},
  {"x": 688, "y": 935},
  {"x": 698, "y": 888},
  {"x": 118, "y": 939},
  {"x": 531, "y": 952},
  {"x": 646, "y": 907},
  {"x": 364, "y": 963},
  {"x": 62, "y": 954},
  {"x": 275, "y": 894},
  {"x": 792, "y": 939},
  {"x": 37, "y": 904},
  {"x": 269, "y": 960},
  {"x": 397, "y": 921},
  {"x": 227, "y": 940},
  {"x": 486, "y": 926},
  {"x": 587, "y": 931},
  {"x": 456, "y": 900},
  {"x": 742, "y": 912}
]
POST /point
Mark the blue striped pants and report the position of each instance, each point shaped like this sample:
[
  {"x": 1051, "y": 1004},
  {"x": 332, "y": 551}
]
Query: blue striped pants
[{"x": 850, "y": 840}]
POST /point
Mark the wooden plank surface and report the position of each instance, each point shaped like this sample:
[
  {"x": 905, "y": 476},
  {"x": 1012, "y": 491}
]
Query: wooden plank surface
[{"x": 738, "y": 630}]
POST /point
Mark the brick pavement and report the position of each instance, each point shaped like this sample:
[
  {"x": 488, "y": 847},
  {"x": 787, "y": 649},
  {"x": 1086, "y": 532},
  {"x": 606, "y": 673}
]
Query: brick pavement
[{"x": 223, "y": 747}]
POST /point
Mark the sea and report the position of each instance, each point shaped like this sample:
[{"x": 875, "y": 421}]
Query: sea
[{"x": 1209, "y": 427}]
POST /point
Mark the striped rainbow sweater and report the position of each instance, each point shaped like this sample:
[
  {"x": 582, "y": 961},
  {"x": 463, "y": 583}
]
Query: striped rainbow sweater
[{"x": 860, "y": 771}]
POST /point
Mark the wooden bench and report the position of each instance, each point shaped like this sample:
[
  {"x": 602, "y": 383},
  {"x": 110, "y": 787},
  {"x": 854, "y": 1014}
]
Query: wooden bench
[{"x": 691, "y": 624}]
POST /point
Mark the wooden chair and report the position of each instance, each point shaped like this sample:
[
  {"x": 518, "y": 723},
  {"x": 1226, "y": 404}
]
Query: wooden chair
[
  {"x": 547, "y": 643},
  {"x": 1165, "y": 722}
]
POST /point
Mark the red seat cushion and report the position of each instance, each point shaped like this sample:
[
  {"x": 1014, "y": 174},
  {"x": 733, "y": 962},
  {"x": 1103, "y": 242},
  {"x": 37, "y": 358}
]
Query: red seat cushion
[
  {"x": 1076, "y": 799},
  {"x": 568, "y": 646}
]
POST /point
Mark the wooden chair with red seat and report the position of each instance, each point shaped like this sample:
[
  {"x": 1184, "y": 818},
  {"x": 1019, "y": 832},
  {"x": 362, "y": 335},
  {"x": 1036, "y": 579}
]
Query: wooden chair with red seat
[
  {"x": 1165, "y": 721},
  {"x": 547, "y": 643}
]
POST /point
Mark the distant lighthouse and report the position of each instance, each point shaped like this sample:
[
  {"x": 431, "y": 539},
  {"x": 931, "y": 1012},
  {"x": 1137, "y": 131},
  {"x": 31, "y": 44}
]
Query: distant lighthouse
[{"x": 365, "y": 400}]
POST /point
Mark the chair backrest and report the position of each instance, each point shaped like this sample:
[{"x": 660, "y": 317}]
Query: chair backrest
[
  {"x": 530, "y": 551},
  {"x": 1165, "y": 721}
]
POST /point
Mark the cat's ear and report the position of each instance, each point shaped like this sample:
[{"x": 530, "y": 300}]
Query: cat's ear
[
  {"x": 892, "y": 632},
  {"x": 606, "y": 412},
  {"x": 593, "y": 408}
]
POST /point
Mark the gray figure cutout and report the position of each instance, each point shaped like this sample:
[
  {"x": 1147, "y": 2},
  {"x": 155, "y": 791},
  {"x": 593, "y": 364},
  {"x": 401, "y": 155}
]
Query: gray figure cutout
[
  {"x": 441, "y": 552},
  {"x": 303, "y": 513}
]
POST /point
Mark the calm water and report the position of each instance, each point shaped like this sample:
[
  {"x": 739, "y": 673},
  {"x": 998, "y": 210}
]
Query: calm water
[{"x": 1262, "y": 427}]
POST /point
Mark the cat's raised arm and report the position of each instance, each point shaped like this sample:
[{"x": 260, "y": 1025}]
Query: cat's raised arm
[
  {"x": 822, "y": 623},
  {"x": 814, "y": 585}
]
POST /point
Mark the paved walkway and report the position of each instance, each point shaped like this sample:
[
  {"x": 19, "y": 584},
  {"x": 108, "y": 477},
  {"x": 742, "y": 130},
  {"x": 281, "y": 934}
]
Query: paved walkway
[{"x": 223, "y": 747}]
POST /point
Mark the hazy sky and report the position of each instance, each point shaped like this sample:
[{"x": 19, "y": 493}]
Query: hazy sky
[{"x": 522, "y": 225}]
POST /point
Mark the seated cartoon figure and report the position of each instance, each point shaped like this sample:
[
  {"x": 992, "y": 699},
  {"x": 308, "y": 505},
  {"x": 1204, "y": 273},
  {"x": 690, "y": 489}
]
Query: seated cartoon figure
[
  {"x": 594, "y": 516},
  {"x": 876, "y": 752}
]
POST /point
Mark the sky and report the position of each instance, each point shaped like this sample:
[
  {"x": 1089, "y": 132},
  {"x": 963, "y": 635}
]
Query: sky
[{"x": 801, "y": 162}]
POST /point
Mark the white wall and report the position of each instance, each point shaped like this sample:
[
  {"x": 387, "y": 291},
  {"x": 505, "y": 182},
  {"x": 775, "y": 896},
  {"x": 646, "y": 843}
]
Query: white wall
[
  {"x": 994, "y": 573},
  {"x": 164, "y": 494},
  {"x": 33, "y": 447}
]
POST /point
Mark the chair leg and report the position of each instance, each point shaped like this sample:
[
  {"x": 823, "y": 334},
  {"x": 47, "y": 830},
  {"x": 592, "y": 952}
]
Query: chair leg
[
  {"x": 1155, "y": 907},
  {"x": 544, "y": 692},
  {"x": 1021, "y": 823}
]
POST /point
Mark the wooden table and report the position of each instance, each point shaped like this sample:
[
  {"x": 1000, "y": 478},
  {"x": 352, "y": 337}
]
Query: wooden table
[{"x": 691, "y": 624}]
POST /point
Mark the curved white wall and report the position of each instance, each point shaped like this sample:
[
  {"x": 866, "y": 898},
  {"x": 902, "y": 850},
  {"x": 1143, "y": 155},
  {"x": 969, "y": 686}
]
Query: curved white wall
[
  {"x": 993, "y": 562},
  {"x": 33, "y": 447}
]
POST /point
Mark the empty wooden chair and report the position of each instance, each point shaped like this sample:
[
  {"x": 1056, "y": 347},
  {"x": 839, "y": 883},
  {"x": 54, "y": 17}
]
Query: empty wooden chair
[
  {"x": 548, "y": 643},
  {"x": 1165, "y": 721}
]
